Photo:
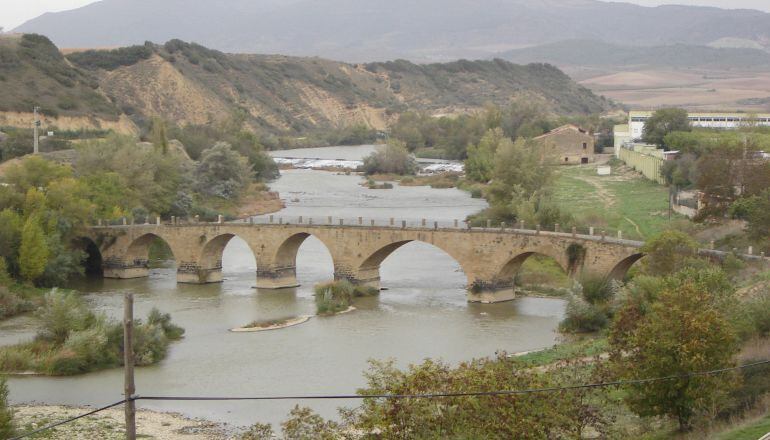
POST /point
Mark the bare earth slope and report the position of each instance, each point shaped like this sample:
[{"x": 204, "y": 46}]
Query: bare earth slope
[{"x": 196, "y": 85}]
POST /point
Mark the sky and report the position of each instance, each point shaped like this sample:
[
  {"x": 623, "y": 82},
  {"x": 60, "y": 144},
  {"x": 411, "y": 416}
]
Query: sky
[{"x": 16, "y": 12}]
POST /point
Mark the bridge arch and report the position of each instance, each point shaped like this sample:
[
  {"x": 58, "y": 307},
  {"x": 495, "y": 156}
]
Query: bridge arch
[
  {"x": 368, "y": 270},
  {"x": 512, "y": 266},
  {"x": 277, "y": 265},
  {"x": 138, "y": 252},
  {"x": 210, "y": 260},
  {"x": 621, "y": 268},
  {"x": 93, "y": 263}
]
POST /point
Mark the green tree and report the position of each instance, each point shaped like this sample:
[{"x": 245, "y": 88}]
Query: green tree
[
  {"x": 11, "y": 225},
  {"x": 668, "y": 252},
  {"x": 685, "y": 330},
  {"x": 481, "y": 158},
  {"x": 33, "y": 252},
  {"x": 159, "y": 134},
  {"x": 394, "y": 158},
  {"x": 663, "y": 122},
  {"x": 35, "y": 172},
  {"x": 7, "y": 428},
  {"x": 758, "y": 216},
  {"x": 222, "y": 172}
]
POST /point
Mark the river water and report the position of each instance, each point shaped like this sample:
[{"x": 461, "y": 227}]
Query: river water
[{"x": 422, "y": 314}]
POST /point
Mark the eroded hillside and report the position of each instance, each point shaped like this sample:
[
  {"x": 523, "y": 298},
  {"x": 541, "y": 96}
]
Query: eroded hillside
[{"x": 190, "y": 84}]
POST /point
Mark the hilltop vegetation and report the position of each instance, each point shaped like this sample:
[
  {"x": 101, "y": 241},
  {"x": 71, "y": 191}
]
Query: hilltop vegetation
[
  {"x": 189, "y": 84},
  {"x": 34, "y": 72}
]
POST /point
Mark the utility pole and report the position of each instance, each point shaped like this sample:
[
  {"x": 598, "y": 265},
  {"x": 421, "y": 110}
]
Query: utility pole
[
  {"x": 128, "y": 361},
  {"x": 36, "y": 148}
]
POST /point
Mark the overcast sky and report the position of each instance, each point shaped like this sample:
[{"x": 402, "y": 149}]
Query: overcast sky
[{"x": 16, "y": 12}]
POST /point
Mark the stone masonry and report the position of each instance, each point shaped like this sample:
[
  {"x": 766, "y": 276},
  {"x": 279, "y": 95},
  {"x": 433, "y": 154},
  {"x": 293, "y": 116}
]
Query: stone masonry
[{"x": 490, "y": 258}]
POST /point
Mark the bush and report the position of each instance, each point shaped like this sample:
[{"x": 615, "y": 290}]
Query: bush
[
  {"x": 583, "y": 316},
  {"x": 74, "y": 340},
  {"x": 393, "y": 159},
  {"x": 337, "y": 296},
  {"x": 6, "y": 415}
]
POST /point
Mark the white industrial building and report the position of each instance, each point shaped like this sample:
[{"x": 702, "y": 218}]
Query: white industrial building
[{"x": 637, "y": 119}]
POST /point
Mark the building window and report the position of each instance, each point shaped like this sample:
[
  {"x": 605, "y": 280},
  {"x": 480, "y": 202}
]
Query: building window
[
  {"x": 585, "y": 145},
  {"x": 566, "y": 159}
]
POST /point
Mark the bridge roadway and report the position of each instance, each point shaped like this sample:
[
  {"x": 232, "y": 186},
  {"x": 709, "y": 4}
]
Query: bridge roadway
[{"x": 489, "y": 257}]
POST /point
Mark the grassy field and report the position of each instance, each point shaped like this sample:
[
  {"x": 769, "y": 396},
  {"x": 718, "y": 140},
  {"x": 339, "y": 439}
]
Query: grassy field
[
  {"x": 751, "y": 431},
  {"x": 623, "y": 201}
]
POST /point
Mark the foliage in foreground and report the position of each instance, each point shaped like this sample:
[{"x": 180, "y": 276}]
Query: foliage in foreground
[
  {"x": 337, "y": 296},
  {"x": 73, "y": 340},
  {"x": 7, "y": 428},
  {"x": 526, "y": 416},
  {"x": 685, "y": 329}
]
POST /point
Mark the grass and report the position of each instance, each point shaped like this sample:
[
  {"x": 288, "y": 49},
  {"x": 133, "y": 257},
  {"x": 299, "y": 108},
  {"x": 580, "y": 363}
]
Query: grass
[
  {"x": 753, "y": 431},
  {"x": 578, "y": 348},
  {"x": 622, "y": 202},
  {"x": 337, "y": 296}
]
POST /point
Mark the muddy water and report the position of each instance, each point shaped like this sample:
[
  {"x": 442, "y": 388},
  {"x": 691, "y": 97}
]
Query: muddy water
[{"x": 422, "y": 314}]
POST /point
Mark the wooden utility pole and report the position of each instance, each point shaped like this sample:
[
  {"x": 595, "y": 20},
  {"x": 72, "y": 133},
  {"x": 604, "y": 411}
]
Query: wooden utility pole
[{"x": 128, "y": 361}]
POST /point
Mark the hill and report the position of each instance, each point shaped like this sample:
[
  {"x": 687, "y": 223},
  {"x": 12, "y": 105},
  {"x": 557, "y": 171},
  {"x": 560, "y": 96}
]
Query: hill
[
  {"x": 190, "y": 84},
  {"x": 594, "y": 53},
  {"x": 34, "y": 73},
  {"x": 366, "y": 30}
]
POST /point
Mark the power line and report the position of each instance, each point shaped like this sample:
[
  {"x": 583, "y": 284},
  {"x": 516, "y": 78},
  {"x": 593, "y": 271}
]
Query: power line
[
  {"x": 71, "y": 419},
  {"x": 461, "y": 394},
  {"x": 408, "y": 396}
]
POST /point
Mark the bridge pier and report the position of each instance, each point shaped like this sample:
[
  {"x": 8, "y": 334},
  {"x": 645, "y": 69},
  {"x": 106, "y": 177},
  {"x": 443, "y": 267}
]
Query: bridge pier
[
  {"x": 491, "y": 292},
  {"x": 277, "y": 278},
  {"x": 117, "y": 268}
]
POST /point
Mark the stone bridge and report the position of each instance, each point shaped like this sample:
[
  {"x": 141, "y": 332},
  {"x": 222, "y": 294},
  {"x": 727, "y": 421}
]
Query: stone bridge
[{"x": 490, "y": 258}]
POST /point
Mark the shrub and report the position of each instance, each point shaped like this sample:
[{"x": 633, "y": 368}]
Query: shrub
[
  {"x": 73, "y": 340},
  {"x": 583, "y": 316},
  {"x": 393, "y": 159},
  {"x": 337, "y": 296},
  {"x": 6, "y": 415},
  {"x": 62, "y": 313},
  {"x": 668, "y": 252}
]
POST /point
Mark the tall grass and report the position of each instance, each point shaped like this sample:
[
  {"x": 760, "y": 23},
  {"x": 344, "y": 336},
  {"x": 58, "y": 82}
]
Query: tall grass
[{"x": 337, "y": 296}]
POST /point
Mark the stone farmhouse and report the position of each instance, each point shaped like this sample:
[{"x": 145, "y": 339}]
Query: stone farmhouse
[{"x": 568, "y": 144}]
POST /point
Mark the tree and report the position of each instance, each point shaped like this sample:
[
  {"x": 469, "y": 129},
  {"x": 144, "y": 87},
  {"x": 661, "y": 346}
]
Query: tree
[
  {"x": 33, "y": 252},
  {"x": 222, "y": 172},
  {"x": 481, "y": 158},
  {"x": 394, "y": 158},
  {"x": 11, "y": 225},
  {"x": 668, "y": 252},
  {"x": 6, "y": 415},
  {"x": 158, "y": 134},
  {"x": 663, "y": 122},
  {"x": 758, "y": 216},
  {"x": 685, "y": 330}
]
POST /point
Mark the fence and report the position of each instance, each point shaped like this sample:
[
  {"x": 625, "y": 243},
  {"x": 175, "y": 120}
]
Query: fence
[{"x": 649, "y": 166}]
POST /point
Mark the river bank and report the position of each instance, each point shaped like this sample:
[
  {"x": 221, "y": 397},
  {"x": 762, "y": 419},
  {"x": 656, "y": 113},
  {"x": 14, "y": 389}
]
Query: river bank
[{"x": 110, "y": 424}]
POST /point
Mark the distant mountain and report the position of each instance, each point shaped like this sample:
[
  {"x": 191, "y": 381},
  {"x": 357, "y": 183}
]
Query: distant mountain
[
  {"x": 599, "y": 54},
  {"x": 423, "y": 30},
  {"x": 190, "y": 84}
]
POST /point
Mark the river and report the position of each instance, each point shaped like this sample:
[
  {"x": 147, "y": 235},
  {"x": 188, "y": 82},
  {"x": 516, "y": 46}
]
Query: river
[{"x": 423, "y": 313}]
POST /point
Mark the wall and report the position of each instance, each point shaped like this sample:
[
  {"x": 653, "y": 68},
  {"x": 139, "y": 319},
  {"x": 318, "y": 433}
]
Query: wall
[{"x": 650, "y": 166}]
